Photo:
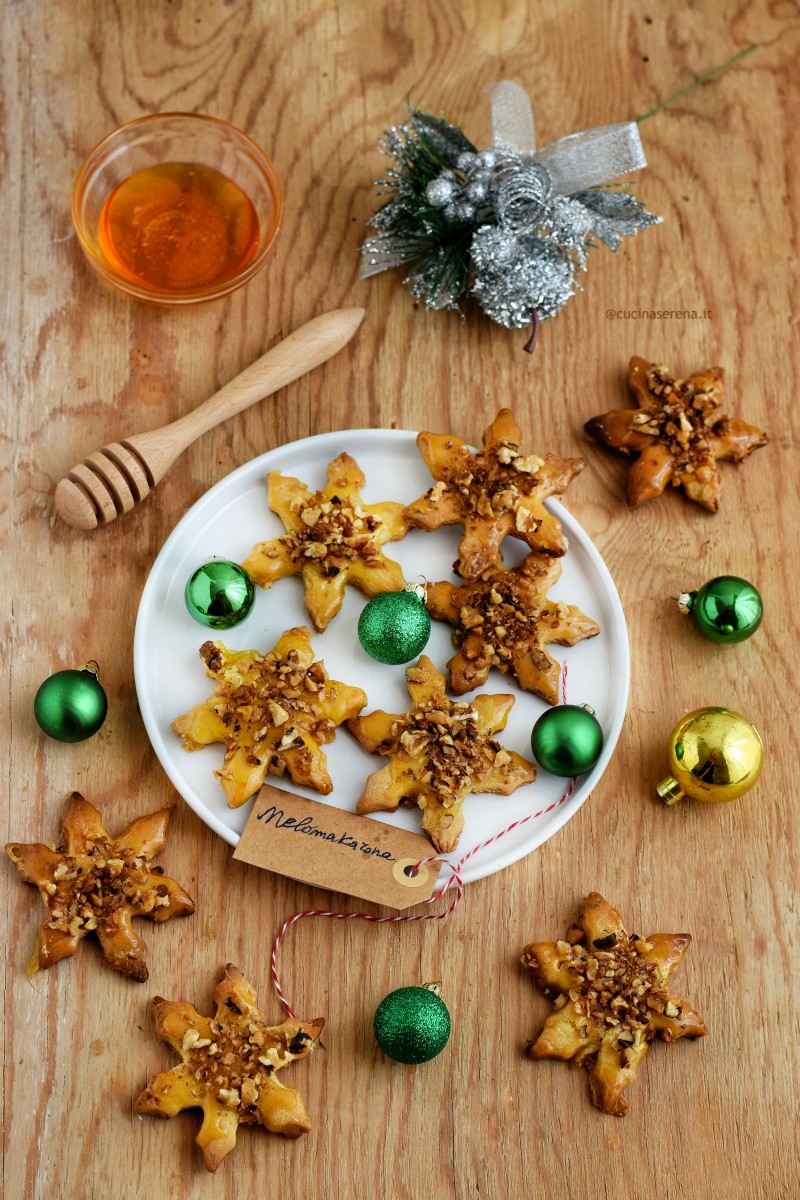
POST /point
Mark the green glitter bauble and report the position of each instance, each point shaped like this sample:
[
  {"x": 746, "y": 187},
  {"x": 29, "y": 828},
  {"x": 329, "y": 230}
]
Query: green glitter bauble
[
  {"x": 71, "y": 705},
  {"x": 412, "y": 1025},
  {"x": 726, "y": 609},
  {"x": 220, "y": 594},
  {"x": 394, "y": 627},
  {"x": 567, "y": 740}
]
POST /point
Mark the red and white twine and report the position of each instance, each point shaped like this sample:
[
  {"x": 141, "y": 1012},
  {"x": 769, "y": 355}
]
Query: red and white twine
[{"x": 454, "y": 878}]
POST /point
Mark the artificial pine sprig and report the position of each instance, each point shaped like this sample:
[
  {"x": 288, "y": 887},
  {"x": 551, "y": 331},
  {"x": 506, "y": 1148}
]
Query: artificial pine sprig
[{"x": 410, "y": 228}]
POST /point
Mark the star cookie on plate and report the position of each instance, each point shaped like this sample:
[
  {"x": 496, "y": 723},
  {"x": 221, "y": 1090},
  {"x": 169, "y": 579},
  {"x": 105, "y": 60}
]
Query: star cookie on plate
[
  {"x": 96, "y": 883},
  {"x": 676, "y": 432},
  {"x": 611, "y": 999},
  {"x": 331, "y": 539},
  {"x": 273, "y": 711},
  {"x": 506, "y": 621},
  {"x": 438, "y": 753},
  {"x": 496, "y": 493},
  {"x": 229, "y": 1066}
]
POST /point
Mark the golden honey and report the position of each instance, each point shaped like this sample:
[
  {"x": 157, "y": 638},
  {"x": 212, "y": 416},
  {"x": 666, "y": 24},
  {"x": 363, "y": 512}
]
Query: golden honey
[{"x": 178, "y": 227}]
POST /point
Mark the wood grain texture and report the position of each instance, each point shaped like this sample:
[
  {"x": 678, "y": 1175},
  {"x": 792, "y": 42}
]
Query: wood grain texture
[{"x": 314, "y": 83}]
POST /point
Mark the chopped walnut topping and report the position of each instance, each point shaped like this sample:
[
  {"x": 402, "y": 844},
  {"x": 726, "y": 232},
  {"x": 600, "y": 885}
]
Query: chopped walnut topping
[
  {"x": 615, "y": 986},
  {"x": 529, "y": 464},
  {"x": 332, "y": 529},
  {"x": 83, "y": 897},
  {"x": 278, "y": 713},
  {"x": 681, "y": 417},
  {"x": 235, "y": 1064},
  {"x": 450, "y": 741},
  {"x": 506, "y": 454},
  {"x": 229, "y": 1097}
]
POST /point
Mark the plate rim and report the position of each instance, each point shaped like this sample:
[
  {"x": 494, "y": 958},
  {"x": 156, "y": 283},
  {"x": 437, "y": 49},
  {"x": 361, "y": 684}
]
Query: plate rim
[{"x": 564, "y": 808}]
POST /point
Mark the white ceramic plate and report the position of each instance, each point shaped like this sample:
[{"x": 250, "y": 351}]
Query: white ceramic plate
[{"x": 227, "y": 522}]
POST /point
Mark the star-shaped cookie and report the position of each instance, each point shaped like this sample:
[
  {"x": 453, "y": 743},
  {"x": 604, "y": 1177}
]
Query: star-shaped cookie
[
  {"x": 331, "y": 539},
  {"x": 677, "y": 434},
  {"x": 96, "y": 883},
  {"x": 229, "y": 1066},
  {"x": 611, "y": 999},
  {"x": 273, "y": 711},
  {"x": 439, "y": 752},
  {"x": 496, "y": 493},
  {"x": 506, "y": 621}
]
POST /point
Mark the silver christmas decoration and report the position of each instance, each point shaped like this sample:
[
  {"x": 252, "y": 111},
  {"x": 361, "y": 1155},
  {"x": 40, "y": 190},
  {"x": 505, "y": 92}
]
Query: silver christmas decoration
[{"x": 509, "y": 225}]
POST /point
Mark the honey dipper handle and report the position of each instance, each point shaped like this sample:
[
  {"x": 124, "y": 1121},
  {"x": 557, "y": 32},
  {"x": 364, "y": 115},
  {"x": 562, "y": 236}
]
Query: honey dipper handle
[{"x": 307, "y": 347}]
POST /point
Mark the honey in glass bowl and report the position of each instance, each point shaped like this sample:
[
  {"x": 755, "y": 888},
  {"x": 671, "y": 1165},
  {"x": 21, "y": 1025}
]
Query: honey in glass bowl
[
  {"x": 178, "y": 225},
  {"x": 177, "y": 208}
]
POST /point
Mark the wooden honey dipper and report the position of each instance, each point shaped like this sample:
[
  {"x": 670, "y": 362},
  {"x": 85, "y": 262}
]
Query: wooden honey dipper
[{"x": 112, "y": 480}]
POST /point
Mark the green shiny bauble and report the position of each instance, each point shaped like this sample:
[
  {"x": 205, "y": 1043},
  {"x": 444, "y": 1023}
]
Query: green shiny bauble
[
  {"x": 220, "y": 594},
  {"x": 567, "y": 740},
  {"x": 726, "y": 609},
  {"x": 71, "y": 705},
  {"x": 395, "y": 626},
  {"x": 412, "y": 1025}
]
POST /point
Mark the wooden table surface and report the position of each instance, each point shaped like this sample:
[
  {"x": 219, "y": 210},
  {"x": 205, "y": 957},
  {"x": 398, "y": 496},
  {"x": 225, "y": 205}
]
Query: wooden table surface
[{"x": 315, "y": 83}]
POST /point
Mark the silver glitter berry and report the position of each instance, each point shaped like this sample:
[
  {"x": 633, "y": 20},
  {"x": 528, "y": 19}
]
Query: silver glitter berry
[
  {"x": 477, "y": 190},
  {"x": 440, "y": 191},
  {"x": 464, "y": 212}
]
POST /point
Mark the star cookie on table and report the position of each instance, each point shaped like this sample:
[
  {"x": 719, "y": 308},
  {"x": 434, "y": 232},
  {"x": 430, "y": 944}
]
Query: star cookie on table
[
  {"x": 677, "y": 432},
  {"x": 506, "y": 621},
  {"x": 611, "y": 999},
  {"x": 496, "y": 493},
  {"x": 438, "y": 753},
  {"x": 331, "y": 539},
  {"x": 273, "y": 711},
  {"x": 96, "y": 883},
  {"x": 229, "y": 1066}
]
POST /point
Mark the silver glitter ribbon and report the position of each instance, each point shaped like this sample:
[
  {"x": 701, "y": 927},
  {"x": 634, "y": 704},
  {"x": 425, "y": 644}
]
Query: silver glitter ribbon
[{"x": 574, "y": 163}]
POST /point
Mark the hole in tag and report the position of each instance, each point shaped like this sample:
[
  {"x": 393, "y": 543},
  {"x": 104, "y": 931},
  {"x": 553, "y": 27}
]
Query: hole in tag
[{"x": 407, "y": 873}]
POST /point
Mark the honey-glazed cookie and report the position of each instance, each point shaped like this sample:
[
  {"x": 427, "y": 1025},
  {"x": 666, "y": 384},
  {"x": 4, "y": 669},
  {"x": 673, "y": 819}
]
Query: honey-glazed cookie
[
  {"x": 611, "y": 999},
  {"x": 494, "y": 494},
  {"x": 677, "y": 434},
  {"x": 228, "y": 1068},
  {"x": 331, "y": 539},
  {"x": 273, "y": 711},
  {"x": 95, "y": 883},
  {"x": 506, "y": 621},
  {"x": 439, "y": 752}
]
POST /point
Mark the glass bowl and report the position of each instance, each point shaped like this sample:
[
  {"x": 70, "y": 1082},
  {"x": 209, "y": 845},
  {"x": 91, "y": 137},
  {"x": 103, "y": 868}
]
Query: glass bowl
[{"x": 175, "y": 138}]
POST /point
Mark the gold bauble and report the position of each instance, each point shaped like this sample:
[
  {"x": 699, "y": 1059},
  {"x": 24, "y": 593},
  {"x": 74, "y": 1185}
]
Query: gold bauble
[{"x": 714, "y": 754}]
